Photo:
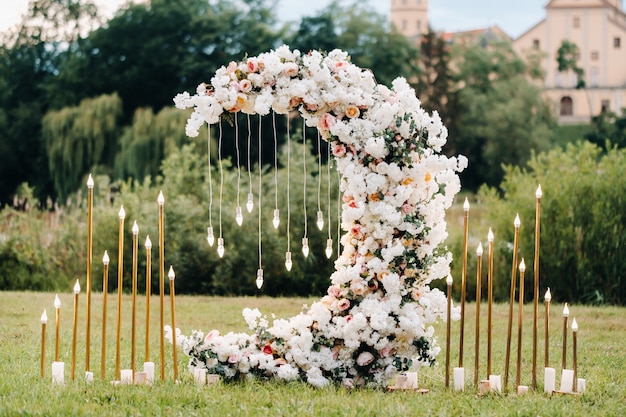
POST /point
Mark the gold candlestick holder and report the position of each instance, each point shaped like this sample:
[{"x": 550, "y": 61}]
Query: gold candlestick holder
[
  {"x": 105, "y": 293},
  {"x": 479, "y": 253},
  {"x": 490, "y": 238},
  {"x": 171, "y": 275},
  {"x": 44, "y": 321},
  {"x": 120, "y": 284},
  {"x": 133, "y": 341},
  {"x": 516, "y": 224},
  {"x": 75, "y": 328},
  {"x": 522, "y": 269},
  {"x": 466, "y": 208},
  {"x": 148, "y": 245},
  {"x": 90, "y": 185},
  {"x": 448, "y": 316},
  {"x": 538, "y": 195},
  {"x": 161, "y": 202}
]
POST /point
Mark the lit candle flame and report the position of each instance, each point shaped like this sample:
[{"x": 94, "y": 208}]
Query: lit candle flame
[
  {"x": 148, "y": 242},
  {"x": 105, "y": 258},
  {"x": 479, "y": 250},
  {"x": 171, "y": 275},
  {"x": 490, "y": 235},
  {"x": 77, "y": 287},
  {"x": 574, "y": 325},
  {"x": 90, "y": 182},
  {"x": 548, "y": 296},
  {"x": 565, "y": 311},
  {"x": 160, "y": 198},
  {"x": 466, "y": 205},
  {"x": 122, "y": 213},
  {"x": 449, "y": 279},
  {"x": 44, "y": 317},
  {"x": 517, "y": 222},
  {"x": 538, "y": 193},
  {"x": 522, "y": 266},
  {"x": 57, "y": 301},
  {"x": 135, "y": 228}
]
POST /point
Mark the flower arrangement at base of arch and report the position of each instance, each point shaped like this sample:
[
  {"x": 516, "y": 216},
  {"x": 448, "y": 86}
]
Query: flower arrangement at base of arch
[{"x": 376, "y": 318}]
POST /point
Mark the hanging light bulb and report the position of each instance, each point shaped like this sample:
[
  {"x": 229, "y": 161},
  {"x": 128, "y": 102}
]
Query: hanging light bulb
[
  {"x": 220, "y": 246},
  {"x": 288, "y": 263},
  {"x": 276, "y": 219},
  {"x": 250, "y": 203},
  {"x": 305, "y": 246},
  {"x": 210, "y": 238},
  {"x": 238, "y": 216},
  {"x": 329, "y": 248},
  {"x": 259, "y": 278},
  {"x": 320, "y": 220}
]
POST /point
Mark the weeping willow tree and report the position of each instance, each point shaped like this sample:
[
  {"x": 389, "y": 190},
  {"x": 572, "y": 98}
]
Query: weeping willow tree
[
  {"x": 146, "y": 143},
  {"x": 77, "y": 139}
]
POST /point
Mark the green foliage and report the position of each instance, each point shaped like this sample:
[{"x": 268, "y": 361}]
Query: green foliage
[
  {"x": 79, "y": 138},
  {"x": 502, "y": 116},
  {"x": 567, "y": 57},
  {"x": 583, "y": 236},
  {"x": 608, "y": 129},
  {"x": 366, "y": 36}
]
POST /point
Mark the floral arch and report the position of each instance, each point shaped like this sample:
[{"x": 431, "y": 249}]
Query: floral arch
[{"x": 375, "y": 319}]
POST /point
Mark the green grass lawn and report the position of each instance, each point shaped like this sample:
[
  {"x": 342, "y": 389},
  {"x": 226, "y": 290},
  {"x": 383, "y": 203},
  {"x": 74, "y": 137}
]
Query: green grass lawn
[{"x": 602, "y": 362}]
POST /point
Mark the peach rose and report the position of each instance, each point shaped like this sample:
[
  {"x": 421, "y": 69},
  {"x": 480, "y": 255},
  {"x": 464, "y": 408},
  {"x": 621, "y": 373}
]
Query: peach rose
[
  {"x": 339, "y": 150},
  {"x": 352, "y": 111},
  {"x": 343, "y": 304},
  {"x": 253, "y": 65}
]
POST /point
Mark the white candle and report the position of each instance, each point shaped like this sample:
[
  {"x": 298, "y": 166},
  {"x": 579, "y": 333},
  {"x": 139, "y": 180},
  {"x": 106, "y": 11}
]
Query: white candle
[
  {"x": 581, "y": 385},
  {"x": 522, "y": 389},
  {"x": 127, "y": 376},
  {"x": 58, "y": 373},
  {"x": 495, "y": 383},
  {"x": 88, "y": 376},
  {"x": 459, "y": 379},
  {"x": 148, "y": 368},
  {"x": 549, "y": 380},
  {"x": 140, "y": 378},
  {"x": 199, "y": 376},
  {"x": 411, "y": 380},
  {"x": 567, "y": 380}
]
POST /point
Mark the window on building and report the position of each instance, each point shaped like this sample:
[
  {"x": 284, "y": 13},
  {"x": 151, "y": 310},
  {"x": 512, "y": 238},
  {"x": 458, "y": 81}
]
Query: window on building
[
  {"x": 576, "y": 22},
  {"x": 594, "y": 55},
  {"x": 617, "y": 42},
  {"x": 595, "y": 75},
  {"x": 605, "y": 106},
  {"x": 536, "y": 43},
  {"x": 567, "y": 106}
]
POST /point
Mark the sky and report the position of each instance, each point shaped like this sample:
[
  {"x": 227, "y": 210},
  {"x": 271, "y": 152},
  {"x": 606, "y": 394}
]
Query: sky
[{"x": 513, "y": 16}]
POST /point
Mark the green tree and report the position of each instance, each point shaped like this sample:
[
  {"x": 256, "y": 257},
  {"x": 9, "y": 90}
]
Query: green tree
[
  {"x": 583, "y": 248},
  {"x": 502, "y": 116},
  {"x": 30, "y": 54},
  {"x": 567, "y": 57},
  {"x": 608, "y": 128},
  {"x": 78, "y": 139}
]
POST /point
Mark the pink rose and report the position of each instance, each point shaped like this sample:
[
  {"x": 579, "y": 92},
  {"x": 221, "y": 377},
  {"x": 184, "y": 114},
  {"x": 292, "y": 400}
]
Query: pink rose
[
  {"x": 407, "y": 208},
  {"x": 234, "y": 357},
  {"x": 253, "y": 65},
  {"x": 245, "y": 85},
  {"x": 232, "y": 67},
  {"x": 340, "y": 66},
  {"x": 339, "y": 151},
  {"x": 343, "y": 304},
  {"x": 326, "y": 121},
  {"x": 235, "y": 86},
  {"x": 212, "y": 335},
  {"x": 334, "y": 291}
]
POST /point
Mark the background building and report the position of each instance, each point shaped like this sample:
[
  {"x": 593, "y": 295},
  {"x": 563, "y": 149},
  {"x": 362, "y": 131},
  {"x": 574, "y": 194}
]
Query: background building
[{"x": 596, "y": 27}]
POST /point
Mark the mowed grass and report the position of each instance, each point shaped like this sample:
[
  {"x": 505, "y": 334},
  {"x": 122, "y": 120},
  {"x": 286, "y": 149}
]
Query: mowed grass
[{"x": 601, "y": 361}]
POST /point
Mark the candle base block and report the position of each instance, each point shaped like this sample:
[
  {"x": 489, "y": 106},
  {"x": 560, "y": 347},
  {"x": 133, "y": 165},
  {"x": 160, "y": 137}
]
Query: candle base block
[
  {"x": 58, "y": 373},
  {"x": 549, "y": 380},
  {"x": 459, "y": 379},
  {"x": 567, "y": 381},
  {"x": 484, "y": 387},
  {"x": 88, "y": 377},
  {"x": 148, "y": 368},
  {"x": 495, "y": 383},
  {"x": 522, "y": 389},
  {"x": 126, "y": 376},
  {"x": 212, "y": 379},
  {"x": 199, "y": 376},
  {"x": 140, "y": 378}
]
